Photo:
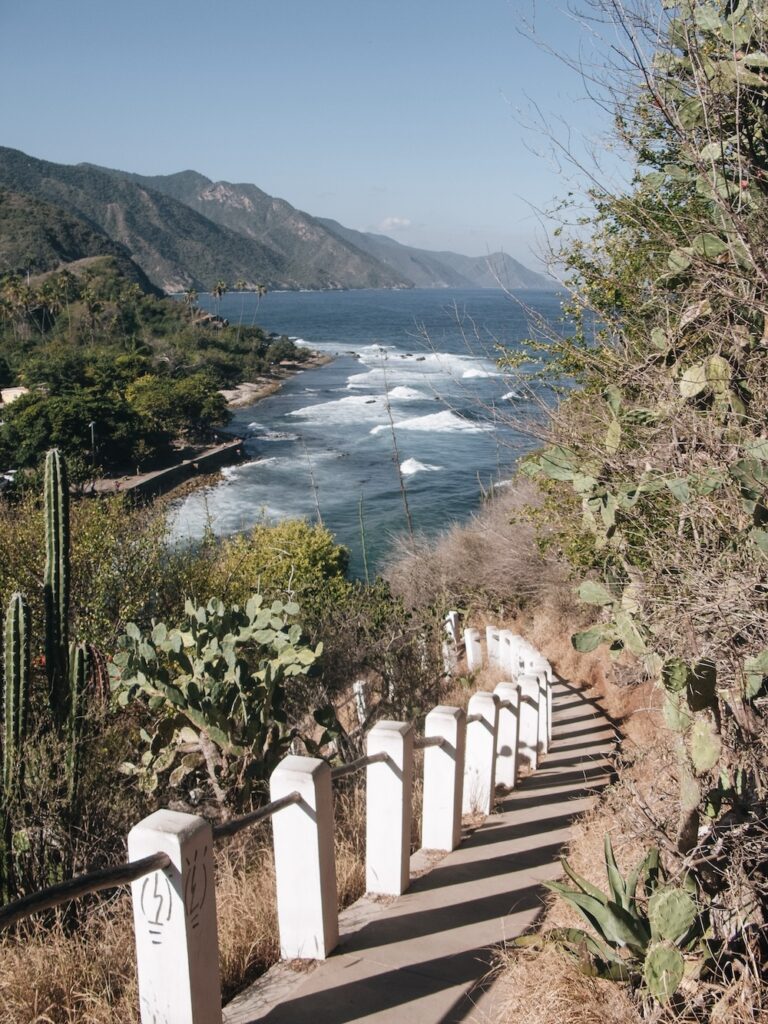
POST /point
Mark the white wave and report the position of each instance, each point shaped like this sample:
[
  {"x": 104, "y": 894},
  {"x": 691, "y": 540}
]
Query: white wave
[
  {"x": 233, "y": 472},
  {"x": 352, "y": 409},
  {"x": 479, "y": 373},
  {"x": 412, "y": 466},
  {"x": 403, "y": 393},
  {"x": 445, "y": 422},
  {"x": 255, "y": 426},
  {"x": 277, "y": 435},
  {"x": 510, "y": 396}
]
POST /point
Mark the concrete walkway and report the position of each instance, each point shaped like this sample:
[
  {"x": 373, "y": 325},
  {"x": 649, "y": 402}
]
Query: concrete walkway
[{"x": 423, "y": 957}]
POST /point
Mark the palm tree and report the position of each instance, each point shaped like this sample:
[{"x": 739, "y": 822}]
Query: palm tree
[
  {"x": 190, "y": 301},
  {"x": 260, "y": 290},
  {"x": 241, "y": 286},
  {"x": 219, "y": 289}
]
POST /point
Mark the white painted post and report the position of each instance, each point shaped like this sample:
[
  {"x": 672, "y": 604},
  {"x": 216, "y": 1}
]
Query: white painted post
[
  {"x": 443, "y": 779},
  {"x": 528, "y": 741},
  {"x": 492, "y": 643},
  {"x": 452, "y": 626},
  {"x": 543, "y": 743},
  {"x": 474, "y": 649},
  {"x": 388, "y": 795},
  {"x": 174, "y": 913},
  {"x": 508, "y": 653},
  {"x": 507, "y": 739},
  {"x": 305, "y": 868},
  {"x": 480, "y": 765},
  {"x": 358, "y": 691}
]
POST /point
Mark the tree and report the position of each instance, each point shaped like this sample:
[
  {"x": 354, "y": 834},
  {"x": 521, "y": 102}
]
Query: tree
[{"x": 218, "y": 291}]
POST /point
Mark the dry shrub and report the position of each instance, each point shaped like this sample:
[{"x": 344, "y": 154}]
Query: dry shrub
[
  {"x": 88, "y": 976},
  {"x": 546, "y": 987},
  {"x": 48, "y": 976},
  {"x": 491, "y": 561}
]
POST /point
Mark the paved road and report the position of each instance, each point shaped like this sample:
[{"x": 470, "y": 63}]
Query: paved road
[{"x": 423, "y": 957}]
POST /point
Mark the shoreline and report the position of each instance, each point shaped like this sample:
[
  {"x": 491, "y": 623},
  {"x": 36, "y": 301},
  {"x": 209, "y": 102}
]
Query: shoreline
[
  {"x": 250, "y": 392},
  {"x": 197, "y": 472}
]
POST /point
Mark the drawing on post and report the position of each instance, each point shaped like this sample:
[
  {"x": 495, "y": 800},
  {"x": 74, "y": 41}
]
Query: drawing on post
[
  {"x": 196, "y": 885},
  {"x": 156, "y": 904}
]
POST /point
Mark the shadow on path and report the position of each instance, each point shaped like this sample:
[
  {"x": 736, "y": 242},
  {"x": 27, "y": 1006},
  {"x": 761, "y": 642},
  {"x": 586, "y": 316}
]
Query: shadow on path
[{"x": 425, "y": 957}]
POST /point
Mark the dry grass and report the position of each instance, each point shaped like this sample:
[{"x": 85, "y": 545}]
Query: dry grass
[
  {"x": 546, "y": 988},
  {"x": 52, "y": 976},
  {"x": 490, "y": 561}
]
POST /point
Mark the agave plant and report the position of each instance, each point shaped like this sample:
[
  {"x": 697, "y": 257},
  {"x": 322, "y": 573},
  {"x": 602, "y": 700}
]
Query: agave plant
[{"x": 650, "y": 941}]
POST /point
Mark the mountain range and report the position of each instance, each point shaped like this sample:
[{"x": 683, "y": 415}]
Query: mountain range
[{"x": 185, "y": 231}]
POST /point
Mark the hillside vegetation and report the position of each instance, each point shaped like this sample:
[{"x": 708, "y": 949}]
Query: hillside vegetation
[{"x": 118, "y": 377}]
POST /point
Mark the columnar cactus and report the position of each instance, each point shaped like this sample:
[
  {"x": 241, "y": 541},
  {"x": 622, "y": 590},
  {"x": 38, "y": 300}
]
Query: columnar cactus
[
  {"x": 78, "y": 675},
  {"x": 57, "y": 585},
  {"x": 16, "y": 674}
]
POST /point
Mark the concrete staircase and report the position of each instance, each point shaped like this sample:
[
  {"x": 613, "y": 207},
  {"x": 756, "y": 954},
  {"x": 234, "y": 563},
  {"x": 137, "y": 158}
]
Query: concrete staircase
[{"x": 424, "y": 957}]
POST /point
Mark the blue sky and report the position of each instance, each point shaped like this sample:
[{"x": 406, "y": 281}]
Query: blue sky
[{"x": 383, "y": 114}]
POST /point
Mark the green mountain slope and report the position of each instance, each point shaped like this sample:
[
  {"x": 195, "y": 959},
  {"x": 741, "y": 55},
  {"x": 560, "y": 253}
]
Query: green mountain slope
[
  {"x": 36, "y": 237},
  {"x": 314, "y": 256},
  {"x": 177, "y": 247},
  {"x": 427, "y": 269}
]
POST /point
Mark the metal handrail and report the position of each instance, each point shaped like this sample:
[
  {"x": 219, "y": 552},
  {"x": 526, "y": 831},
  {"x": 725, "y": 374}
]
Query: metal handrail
[
  {"x": 123, "y": 874},
  {"x": 355, "y": 766},
  {"x": 83, "y": 885},
  {"x": 429, "y": 741},
  {"x": 231, "y": 828}
]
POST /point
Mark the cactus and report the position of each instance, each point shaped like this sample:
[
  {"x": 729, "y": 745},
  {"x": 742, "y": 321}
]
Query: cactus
[
  {"x": 16, "y": 691},
  {"x": 79, "y": 661},
  {"x": 56, "y": 586},
  {"x": 663, "y": 971},
  {"x": 642, "y": 941},
  {"x": 704, "y": 746},
  {"x": 671, "y": 912}
]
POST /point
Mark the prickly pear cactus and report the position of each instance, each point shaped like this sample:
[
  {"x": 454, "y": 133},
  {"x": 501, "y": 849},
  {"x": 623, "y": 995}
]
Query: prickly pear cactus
[
  {"x": 671, "y": 912},
  {"x": 663, "y": 971}
]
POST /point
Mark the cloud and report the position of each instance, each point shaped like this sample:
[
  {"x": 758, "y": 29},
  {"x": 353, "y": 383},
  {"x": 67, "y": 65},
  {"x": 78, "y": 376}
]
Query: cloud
[{"x": 394, "y": 224}]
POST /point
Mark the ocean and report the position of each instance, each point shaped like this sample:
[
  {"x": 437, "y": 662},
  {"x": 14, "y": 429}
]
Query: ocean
[{"x": 414, "y": 372}]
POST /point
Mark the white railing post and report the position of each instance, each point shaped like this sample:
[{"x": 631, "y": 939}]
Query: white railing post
[
  {"x": 510, "y": 661},
  {"x": 452, "y": 626},
  {"x": 492, "y": 644},
  {"x": 543, "y": 712},
  {"x": 507, "y": 739},
  {"x": 174, "y": 913},
  {"x": 474, "y": 649},
  {"x": 528, "y": 742},
  {"x": 305, "y": 868},
  {"x": 443, "y": 779},
  {"x": 388, "y": 796},
  {"x": 480, "y": 764}
]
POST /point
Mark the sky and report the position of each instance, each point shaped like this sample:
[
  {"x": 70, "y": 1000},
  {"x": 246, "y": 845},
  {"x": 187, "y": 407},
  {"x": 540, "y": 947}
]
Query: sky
[{"x": 408, "y": 117}]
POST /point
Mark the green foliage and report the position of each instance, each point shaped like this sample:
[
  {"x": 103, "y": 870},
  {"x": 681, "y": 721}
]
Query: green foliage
[
  {"x": 645, "y": 940},
  {"x": 222, "y": 675},
  {"x": 67, "y": 673}
]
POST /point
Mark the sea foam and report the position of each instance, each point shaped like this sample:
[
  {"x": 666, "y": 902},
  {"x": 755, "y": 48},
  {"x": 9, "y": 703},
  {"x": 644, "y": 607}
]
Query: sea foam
[
  {"x": 412, "y": 466},
  {"x": 445, "y": 422}
]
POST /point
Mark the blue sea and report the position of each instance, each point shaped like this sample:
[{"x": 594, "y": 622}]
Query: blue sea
[{"x": 414, "y": 373}]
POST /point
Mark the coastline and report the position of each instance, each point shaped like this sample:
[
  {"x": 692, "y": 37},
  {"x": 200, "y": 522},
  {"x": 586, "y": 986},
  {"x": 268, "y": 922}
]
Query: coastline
[
  {"x": 250, "y": 392},
  {"x": 203, "y": 468}
]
